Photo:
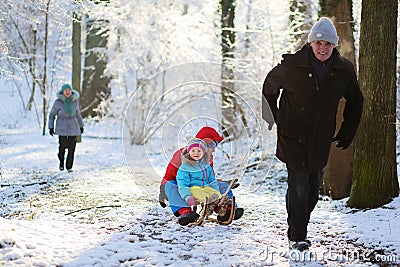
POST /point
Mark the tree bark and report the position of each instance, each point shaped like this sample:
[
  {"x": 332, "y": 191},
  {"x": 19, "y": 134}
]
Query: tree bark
[
  {"x": 95, "y": 86},
  {"x": 44, "y": 95},
  {"x": 32, "y": 68},
  {"x": 338, "y": 173},
  {"x": 76, "y": 49},
  {"x": 375, "y": 180},
  {"x": 229, "y": 116}
]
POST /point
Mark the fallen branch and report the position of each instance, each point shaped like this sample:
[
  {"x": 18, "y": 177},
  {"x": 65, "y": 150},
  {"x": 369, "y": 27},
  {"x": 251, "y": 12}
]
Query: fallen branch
[
  {"x": 254, "y": 164},
  {"x": 23, "y": 185},
  {"x": 98, "y": 207}
]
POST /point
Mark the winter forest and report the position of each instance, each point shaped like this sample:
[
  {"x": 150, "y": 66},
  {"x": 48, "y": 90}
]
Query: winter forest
[{"x": 147, "y": 76}]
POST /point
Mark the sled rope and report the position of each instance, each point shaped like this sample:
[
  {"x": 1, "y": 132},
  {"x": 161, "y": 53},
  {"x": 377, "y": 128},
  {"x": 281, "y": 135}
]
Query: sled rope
[
  {"x": 265, "y": 176},
  {"x": 241, "y": 167}
]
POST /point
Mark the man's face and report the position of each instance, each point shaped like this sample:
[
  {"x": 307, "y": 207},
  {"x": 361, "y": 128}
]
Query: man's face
[{"x": 322, "y": 49}]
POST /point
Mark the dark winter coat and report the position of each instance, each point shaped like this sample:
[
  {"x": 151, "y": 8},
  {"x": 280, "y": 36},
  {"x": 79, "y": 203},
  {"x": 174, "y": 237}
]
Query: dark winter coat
[
  {"x": 66, "y": 124},
  {"x": 306, "y": 117}
]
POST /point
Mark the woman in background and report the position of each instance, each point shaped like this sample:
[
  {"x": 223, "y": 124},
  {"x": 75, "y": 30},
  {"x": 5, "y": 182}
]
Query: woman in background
[{"x": 69, "y": 123}]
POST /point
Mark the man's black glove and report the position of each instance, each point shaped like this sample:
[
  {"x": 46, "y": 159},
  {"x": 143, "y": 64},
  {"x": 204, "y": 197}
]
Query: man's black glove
[
  {"x": 343, "y": 140},
  {"x": 162, "y": 197},
  {"x": 82, "y": 130},
  {"x": 52, "y": 131}
]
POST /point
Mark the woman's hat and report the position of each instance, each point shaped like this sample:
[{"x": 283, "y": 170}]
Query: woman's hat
[{"x": 65, "y": 86}]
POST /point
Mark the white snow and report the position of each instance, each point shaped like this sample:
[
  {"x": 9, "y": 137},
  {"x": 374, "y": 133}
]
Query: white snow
[
  {"x": 106, "y": 212},
  {"x": 121, "y": 225}
]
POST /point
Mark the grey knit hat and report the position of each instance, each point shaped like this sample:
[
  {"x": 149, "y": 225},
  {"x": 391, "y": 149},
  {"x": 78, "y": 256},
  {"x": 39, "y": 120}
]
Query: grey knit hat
[{"x": 323, "y": 30}]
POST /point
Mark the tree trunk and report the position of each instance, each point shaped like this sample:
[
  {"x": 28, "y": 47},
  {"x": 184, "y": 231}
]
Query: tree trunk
[
  {"x": 76, "y": 50},
  {"x": 44, "y": 95},
  {"x": 338, "y": 173},
  {"x": 247, "y": 34},
  {"x": 229, "y": 116},
  {"x": 32, "y": 68},
  {"x": 375, "y": 180},
  {"x": 95, "y": 86}
]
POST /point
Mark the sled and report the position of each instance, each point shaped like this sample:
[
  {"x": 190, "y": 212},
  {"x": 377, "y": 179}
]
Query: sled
[
  {"x": 202, "y": 217},
  {"x": 231, "y": 216},
  {"x": 205, "y": 215}
]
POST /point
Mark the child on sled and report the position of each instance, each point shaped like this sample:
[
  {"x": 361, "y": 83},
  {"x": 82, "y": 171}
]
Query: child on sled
[
  {"x": 195, "y": 177},
  {"x": 169, "y": 188}
]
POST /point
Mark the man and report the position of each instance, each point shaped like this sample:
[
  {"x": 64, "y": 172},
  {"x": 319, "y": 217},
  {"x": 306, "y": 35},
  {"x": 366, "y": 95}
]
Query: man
[
  {"x": 169, "y": 189},
  {"x": 313, "y": 80}
]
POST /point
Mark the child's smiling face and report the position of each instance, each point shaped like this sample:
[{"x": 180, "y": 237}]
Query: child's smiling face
[{"x": 196, "y": 153}]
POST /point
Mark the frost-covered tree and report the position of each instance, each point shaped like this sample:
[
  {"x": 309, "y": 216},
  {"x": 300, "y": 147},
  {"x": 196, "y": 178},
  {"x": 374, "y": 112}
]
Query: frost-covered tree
[
  {"x": 301, "y": 17},
  {"x": 261, "y": 39},
  {"x": 147, "y": 37},
  {"x": 36, "y": 36}
]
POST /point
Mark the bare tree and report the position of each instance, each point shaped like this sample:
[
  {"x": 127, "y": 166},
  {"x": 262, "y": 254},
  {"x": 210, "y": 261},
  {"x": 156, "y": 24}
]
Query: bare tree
[{"x": 36, "y": 33}]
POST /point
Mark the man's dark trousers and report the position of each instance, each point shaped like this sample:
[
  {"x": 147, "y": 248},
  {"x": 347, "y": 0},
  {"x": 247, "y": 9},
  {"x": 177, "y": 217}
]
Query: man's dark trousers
[
  {"x": 301, "y": 198},
  {"x": 66, "y": 142}
]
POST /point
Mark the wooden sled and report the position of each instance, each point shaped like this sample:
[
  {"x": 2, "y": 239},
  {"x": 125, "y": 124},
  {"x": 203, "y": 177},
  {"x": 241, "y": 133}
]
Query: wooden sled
[{"x": 207, "y": 217}]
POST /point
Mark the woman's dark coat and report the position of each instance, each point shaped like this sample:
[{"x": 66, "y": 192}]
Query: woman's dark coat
[{"x": 306, "y": 117}]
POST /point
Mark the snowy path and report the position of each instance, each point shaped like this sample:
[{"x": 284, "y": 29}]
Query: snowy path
[{"x": 41, "y": 225}]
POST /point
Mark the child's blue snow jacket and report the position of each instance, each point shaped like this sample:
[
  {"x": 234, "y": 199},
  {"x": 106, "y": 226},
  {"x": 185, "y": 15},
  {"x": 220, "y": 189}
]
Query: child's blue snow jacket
[{"x": 194, "y": 173}]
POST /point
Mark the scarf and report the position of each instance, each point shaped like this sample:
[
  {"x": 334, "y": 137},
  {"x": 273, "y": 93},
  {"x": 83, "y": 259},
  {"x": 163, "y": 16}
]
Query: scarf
[
  {"x": 68, "y": 106},
  {"x": 320, "y": 70}
]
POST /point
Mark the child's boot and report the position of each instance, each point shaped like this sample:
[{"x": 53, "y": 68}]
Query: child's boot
[{"x": 187, "y": 218}]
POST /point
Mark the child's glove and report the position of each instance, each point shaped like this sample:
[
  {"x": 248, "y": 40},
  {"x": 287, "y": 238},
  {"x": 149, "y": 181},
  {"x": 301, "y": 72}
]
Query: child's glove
[
  {"x": 162, "y": 197},
  {"x": 191, "y": 201}
]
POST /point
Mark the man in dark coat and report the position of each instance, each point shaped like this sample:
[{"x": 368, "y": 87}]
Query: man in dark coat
[{"x": 310, "y": 84}]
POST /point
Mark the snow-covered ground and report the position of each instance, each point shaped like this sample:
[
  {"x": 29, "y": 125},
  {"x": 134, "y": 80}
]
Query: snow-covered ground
[{"x": 98, "y": 216}]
